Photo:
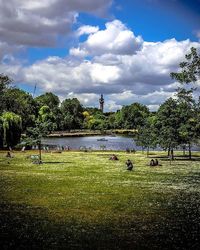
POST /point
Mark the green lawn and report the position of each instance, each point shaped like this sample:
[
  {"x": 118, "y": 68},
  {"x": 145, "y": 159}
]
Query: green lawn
[{"x": 82, "y": 200}]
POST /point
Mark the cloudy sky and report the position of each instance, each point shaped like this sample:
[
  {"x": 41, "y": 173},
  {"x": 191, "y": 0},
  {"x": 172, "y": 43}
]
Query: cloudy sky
[{"x": 124, "y": 49}]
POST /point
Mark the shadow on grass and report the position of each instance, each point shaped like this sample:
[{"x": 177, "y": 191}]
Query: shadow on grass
[
  {"x": 56, "y": 162},
  {"x": 25, "y": 227}
]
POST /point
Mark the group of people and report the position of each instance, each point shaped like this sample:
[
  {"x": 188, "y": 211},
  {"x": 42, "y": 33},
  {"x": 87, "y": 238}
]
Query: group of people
[
  {"x": 154, "y": 163},
  {"x": 128, "y": 163}
]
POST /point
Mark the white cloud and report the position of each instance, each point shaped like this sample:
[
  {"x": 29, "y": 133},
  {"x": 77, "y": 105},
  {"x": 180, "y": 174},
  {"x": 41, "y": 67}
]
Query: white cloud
[
  {"x": 115, "y": 39},
  {"x": 41, "y": 23},
  {"x": 123, "y": 67},
  {"x": 87, "y": 29}
]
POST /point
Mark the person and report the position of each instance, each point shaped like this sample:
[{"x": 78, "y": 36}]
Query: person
[
  {"x": 129, "y": 165},
  {"x": 152, "y": 163},
  {"x": 114, "y": 158},
  {"x": 8, "y": 155},
  {"x": 156, "y": 162}
]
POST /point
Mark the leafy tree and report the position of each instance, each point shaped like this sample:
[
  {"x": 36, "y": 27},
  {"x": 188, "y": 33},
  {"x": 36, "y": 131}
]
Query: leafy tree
[
  {"x": 133, "y": 116},
  {"x": 48, "y": 99},
  {"x": 167, "y": 124},
  {"x": 21, "y": 103},
  {"x": 44, "y": 125},
  {"x": 5, "y": 81},
  {"x": 72, "y": 112},
  {"x": 189, "y": 69},
  {"x": 147, "y": 134},
  {"x": 188, "y": 118},
  {"x": 12, "y": 127}
]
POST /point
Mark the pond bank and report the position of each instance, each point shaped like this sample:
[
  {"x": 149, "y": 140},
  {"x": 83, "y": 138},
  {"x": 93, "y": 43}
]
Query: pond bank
[{"x": 80, "y": 133}]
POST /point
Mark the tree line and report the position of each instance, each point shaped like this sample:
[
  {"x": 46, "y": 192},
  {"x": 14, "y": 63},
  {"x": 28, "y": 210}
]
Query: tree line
[{"x": 175, "y": 124}]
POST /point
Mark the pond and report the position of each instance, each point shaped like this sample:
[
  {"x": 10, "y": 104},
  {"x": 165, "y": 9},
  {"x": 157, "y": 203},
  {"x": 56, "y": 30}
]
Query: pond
[
  {"x": 93, "y": 142},
  {"x": 98, "y": 142}
]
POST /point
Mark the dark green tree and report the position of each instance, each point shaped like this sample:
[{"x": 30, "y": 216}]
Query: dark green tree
[
  {"x": 133, "y": 116},
  {"x": 167, "y": 125},
  {"x": 147, "y": 134},
  {"x": 72, "y": 112},
  {"x": 5, "y": 81},
  {"x": 187, "y": 111},
  {"x": 48, "y": 99},
  {"x": 189, "y": 69},
  {"x": 21, "y": 103},
  {"x": 11, "y": 126}
]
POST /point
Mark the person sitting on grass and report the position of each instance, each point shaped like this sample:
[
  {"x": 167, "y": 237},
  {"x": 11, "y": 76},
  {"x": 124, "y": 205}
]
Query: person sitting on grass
[
  {"x": 152, "y": 163},
  {"x": 8, "y": 155},
  {"x": 129, "y": 165},
  {"x": 114, "y": 158}
]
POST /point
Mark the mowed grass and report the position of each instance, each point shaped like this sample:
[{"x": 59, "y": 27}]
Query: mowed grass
[{"x": 82, "y": 200}]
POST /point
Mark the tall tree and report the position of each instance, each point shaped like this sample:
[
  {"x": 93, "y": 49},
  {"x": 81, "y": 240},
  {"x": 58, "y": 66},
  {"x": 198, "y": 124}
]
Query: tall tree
[
  {"x": 133, "y": 116},
  {"x": 48, "y": 99},
  {"x": 189, "y": 69},
  {"x": 187, "y": 112},
  {"x": 21, "y": 103},
  {"x": 12, "y": 127},
  {"x": 167, "y": 124},
  {"x": 147, "y": 135},
  {"x": 72, "y": 112},
  {"x": 5, "y": 81}
]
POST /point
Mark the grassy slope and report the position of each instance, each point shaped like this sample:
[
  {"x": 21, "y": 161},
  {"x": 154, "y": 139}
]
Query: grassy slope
[{"x": 81, "y": 200}]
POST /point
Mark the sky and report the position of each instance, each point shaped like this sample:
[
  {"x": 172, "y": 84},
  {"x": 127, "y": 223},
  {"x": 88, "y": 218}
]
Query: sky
[{"x": 124, "y": 49}]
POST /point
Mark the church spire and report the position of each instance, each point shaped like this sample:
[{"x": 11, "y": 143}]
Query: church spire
[{"x": 101, "y": 103}]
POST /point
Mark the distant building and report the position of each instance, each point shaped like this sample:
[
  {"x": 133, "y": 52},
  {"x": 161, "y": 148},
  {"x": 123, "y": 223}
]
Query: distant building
[{"x": 101, "y": 103}]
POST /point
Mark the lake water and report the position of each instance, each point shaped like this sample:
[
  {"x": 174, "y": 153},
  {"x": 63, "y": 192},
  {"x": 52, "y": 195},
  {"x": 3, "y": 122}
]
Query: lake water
[{"x": 93, "y": 142}]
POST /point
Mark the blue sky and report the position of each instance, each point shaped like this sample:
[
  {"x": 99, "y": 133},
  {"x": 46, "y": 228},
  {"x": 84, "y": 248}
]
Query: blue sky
[{"x": 123, "y": 49}]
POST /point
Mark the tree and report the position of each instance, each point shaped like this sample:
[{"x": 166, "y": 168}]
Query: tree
[
  {"x": 11, "y": 128},
  {"x": 72, "y": 112},
  {"x": 21, "y": 103},
  {"x": 147, "y": 134},
  {"x": 5, "y": 81},
  {"x": 187, "y": 112},
  {"x": 167, "y": 125},
  {"x": 189, "y": 69},
  {"x": 48, "y": 99},
  {"x": 133, "y": 116},
  {"x": 44, "y": 125}
]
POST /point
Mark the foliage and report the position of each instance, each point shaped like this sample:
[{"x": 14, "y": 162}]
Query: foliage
[
  {"x": 147, "y": 135},
  {"x": 132, "y": 116},
  {"x": 12, "y": 126},
  {"x": 72, "y": 112},
  {"x": 189, "y": 69},
  {"x": 48, "y": 99},
  {"x": 5, "y": 81},
  {"x": 21, "y": 103}
]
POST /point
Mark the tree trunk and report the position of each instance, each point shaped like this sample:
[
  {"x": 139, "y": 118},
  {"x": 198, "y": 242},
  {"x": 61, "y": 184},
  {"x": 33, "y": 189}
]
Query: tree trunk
[
  {"x": 40, "y": 152},
  {"x": 172, "y": 154},
  {"x": 184, "y": 151},
  {"x": 147, "y": 152},
  {"x": 190, "y": 152},
  {"x": 168, "y": 153}
]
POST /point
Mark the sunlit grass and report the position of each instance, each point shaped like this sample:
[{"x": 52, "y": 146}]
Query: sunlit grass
[{"x": 79, "y": 194}]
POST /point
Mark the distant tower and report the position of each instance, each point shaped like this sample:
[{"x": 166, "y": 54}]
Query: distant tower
[{"x": 101, "y": 103}]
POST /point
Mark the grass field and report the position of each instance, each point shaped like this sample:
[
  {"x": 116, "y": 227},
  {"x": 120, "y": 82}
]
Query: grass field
[{"x": 82, "y": 200}]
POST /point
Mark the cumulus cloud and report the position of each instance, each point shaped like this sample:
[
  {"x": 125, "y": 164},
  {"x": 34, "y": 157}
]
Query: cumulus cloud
[
  {"x": 124, "y": 79},
  {"x": 112, "y": 61},
  {"x": 116, "y": 38},
  {"x": 87, "y": 29},
  {"x": 40, "y": 23}
]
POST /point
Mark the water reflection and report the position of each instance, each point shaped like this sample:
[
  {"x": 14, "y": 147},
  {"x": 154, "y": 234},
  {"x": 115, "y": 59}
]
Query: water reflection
[{"x": 94, "y": 142}]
